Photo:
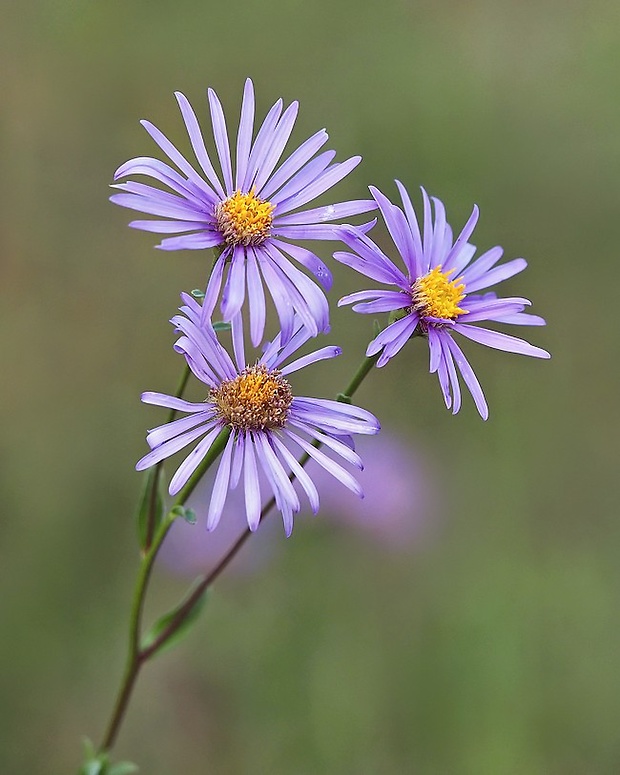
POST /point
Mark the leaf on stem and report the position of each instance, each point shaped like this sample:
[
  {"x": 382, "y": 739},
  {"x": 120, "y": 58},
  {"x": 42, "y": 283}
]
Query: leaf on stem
[
  {"x": 189, "y": 515},
  {"x": 189, "y": 616}
]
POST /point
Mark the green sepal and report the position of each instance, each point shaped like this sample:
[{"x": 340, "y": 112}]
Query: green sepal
[
  {"x": 94, "y": 763},
  {"x": 189, "y": 515},
  {"x": 164, "y": 621},
  {"x": 343, "y": 398},
  {"x": 221, "y": 325},
  {"x": 122, "y": 768},
  {"x": 397, "y": 314},
  {"x": 150, "y": 499},
  {"x": 376, "y": 327}
]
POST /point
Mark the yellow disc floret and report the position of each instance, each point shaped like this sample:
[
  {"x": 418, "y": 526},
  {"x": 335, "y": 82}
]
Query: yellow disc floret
[
  {"x": 256, "y": 399},
  {"x": 436, "y": 296},
  {"x": 244, "y": 219}
]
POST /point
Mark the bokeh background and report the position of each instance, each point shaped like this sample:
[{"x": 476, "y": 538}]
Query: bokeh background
[{"x": 486, "y": 639}]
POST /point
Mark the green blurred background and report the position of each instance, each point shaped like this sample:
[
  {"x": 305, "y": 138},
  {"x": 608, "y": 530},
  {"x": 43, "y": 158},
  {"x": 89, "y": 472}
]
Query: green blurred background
[{"x": 491, "y": 648}]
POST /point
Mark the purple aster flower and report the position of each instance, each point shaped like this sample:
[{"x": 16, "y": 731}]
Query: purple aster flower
[
  {"x": 252, "y": 212},
  {"x": 438, "y": 293},
  {"x": 265, "y": 419}
]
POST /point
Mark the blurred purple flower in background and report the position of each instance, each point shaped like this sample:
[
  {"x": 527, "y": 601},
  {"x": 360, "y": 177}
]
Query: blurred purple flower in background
[
  {"x": 252, "y": 215},
  {"x": 401, "y": 500},
  {"x": 437, "y": 295}
]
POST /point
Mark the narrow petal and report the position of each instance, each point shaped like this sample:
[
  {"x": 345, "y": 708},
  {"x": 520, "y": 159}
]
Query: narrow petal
[
  {"x": 391, "y": 332},
  {"x": 497, "y": 275},
  {"x": 273, "y": 468},
  {"x": 417, "y": 265},
  {"x": 261, "y": 143},
  {"x": 510, "y": 344},
  {"x": 244, "y": 136},
  {"x": 191, "y": 462},
  {"x": 327, "y": 213},
  {"x": 462, "y": 239},
  {"x": 171, "y": 447},
  {"x": 234, "y": 290},
  {"x": 333, "y": 468},
  {"x": 300, "y": 473},
  {"x": 451, "y": 373},
  {"x": 169, "y": 430},
  {"x": 318, "y": 355},
  {"x": 325, "y": 181},
  {"x": 198, "y": 144},
  {"x": 221, "y": 139},
  {"x": 308, "y": 259},
  {"x": 251, "y": 484},
  {"x": 294, "y": 163},
  {"x": 220, "y": 486},
  {"x": 469, "y": 376},
  {"x": 280, "y": 137},
  {"x": 191, "y": 241},
  {"x": 171, "y": 402},
  {"x": 256, "y": 299}
]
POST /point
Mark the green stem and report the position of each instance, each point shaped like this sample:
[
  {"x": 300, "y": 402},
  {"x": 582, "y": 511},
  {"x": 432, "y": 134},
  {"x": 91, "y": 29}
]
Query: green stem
[{"x": 135, "y": 657}]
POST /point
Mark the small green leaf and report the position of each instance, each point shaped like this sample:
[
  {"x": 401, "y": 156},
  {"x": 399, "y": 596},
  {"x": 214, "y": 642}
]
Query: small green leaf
[
  {"x": 197, "y": 293},
  {"x": 182, "y": 512},
  {"x": 122, "y": 768},
  {"x": 220, "y": 325},
  {"x": 94, "y": 762},
  {"x": 189, "y": 617},
  {"x": 151, "y": 501}
]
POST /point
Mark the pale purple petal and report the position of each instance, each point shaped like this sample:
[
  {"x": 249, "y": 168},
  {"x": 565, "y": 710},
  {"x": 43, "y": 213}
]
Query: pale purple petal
[
  {"x": 256, "y": 299},
  {"x": 300, "y": 473},
  {"x": 198, "y": 145},
  {"x": 251, "y": 483},
  {"x": 294, "y": 163},
  {"x": 333, "y": 468},
  {"x": 171, "y": 402},
  {"x": 279, "y": 139},
  {"x": 261, "y": 143},
  {"x": 191, "y": 241},
  {"x": 192, "y": 461},
  {"x": 510, "y": 344},
  {"x": 318, "y": 355},
  {"x": 327, "y": 213},
  {"x": 244, "y": 136},
  {"x": 234, "y": 290},
  {"x": 220, "y": 486},
  {"x": 497, "y": 275},
  {"x": 308, "y": 259},
  {"x": 221, "y": 139}
]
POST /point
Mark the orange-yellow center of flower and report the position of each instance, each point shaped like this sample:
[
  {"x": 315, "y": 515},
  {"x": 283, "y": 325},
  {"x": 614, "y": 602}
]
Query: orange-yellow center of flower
[
  {"x": 254, "y": 400},
  {"x": 244, "y": 219},
  {"x": 436, "y": 296}
]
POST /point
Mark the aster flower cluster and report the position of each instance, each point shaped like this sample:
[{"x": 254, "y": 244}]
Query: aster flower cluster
[{"x": 253, "y": 210}]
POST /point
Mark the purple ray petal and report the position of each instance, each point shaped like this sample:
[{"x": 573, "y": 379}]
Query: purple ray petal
[
  {"x": 198, "y": 144},
  {"x": 221, "y": 139},
  {"x": 510, "y": 344}
]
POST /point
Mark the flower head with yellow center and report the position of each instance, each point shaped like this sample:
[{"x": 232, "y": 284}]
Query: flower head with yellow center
[
  {"x": 256, "y": 399},
  {"x": 437, "y": 294},
  {"x": 244, "y": 219},
  {"x": 269, "y": 426},
  {"x": 254, "y": 210}
]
